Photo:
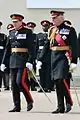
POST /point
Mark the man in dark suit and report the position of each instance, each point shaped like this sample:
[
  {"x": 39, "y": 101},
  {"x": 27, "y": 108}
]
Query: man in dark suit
[
  {"x": 21, "y": 47},
  {"x": 3, "y": 40},
  {"x": 45, "y": 71},
  {"x": 62, "y": 41},
  {"x": 32, "y": 25}
]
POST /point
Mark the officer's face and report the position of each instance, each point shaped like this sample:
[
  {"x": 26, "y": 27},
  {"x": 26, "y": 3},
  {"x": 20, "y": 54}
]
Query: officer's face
[
  {"x": 17, "y": 24},
  {"x": 58, "y": 20},
  {"x": 45, "y": 28}
]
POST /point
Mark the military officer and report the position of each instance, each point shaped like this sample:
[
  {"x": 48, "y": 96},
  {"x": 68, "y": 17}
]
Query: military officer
[
  {"x": 20, "y": 44},
  {"x": 3, "y": 39},
  {"x": 45, "y": 71},
  {"x": 7, "y": 70},
  {"x": 32, "y": 26},
  {"x": 62, "y": 40}
]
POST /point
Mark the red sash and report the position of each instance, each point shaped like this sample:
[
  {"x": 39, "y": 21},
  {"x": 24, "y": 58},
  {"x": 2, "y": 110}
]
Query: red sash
[{"x": 60, "y": 41}]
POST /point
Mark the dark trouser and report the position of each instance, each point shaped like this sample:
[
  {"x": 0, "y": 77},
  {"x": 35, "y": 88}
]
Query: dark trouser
[
  {"x": 45, "y": 76},
  {"x": 67, "y": 99},
  {"x": 19, "y": 77},
  {"x": 6, "y": 79},
  {"x": 62, "y": 90},
  {"x": 2, "y": 78},
  {"x": 32, "y": 81}
]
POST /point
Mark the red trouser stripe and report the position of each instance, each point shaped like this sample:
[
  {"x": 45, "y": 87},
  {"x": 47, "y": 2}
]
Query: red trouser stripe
[
  {"x": 24, "y": 83},
  {"x": 68, "y": 90}
]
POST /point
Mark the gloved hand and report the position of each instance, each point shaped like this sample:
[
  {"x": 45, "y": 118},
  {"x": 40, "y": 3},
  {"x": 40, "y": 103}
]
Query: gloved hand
[
  {"x": 38, "y": 65},
  {"x": 73, "y": 66},
  {"x": 2, "y": 67},
  {"x": 29, "y": 66},
  {"x": 36, "y": 61}
]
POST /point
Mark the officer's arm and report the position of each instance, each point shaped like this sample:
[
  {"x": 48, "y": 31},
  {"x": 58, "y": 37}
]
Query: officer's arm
[
  {"x": 78, "y": 40},
  {"x": 5, "y": 40},
  {"x": 73, "y": 45},
  {"x": 30, "y": 46},
  {"x": 44, "y": 51},
  {"x": 37, "y": 46},
  {"x": 7, "y": 51}
]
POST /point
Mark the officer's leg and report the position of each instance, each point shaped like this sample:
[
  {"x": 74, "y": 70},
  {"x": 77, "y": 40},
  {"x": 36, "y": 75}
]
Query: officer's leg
[
  {"x": 6, "y": 77},
  {"x": 4, "y": 80},
  {"x": 67, "y": 95},
  {"x": 32, "y": 82},
  {"x": 21, "y": 81},
  {"x": 42, "y": 79},
  {"x": 60, "y": 97},
  {"x": 28, "y": 83},
  {"x": 15, "y": 91},
  {"x": 52, "y": 88},
  {"x": 47, "y": 78},
  {"x": 49, "y": 82}
]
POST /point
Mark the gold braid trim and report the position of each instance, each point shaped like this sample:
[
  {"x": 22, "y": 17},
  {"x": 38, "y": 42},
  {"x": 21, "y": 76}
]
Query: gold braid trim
[
  {"x": 30, "y": 75},
  {"x": 51, "y": 34}
]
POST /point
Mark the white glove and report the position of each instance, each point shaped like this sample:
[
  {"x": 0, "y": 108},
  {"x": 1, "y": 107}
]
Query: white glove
[
  {"x": 29, "y": 66},
  {"x": 73, "y": 66},
  {"x": 2, "y": 67},
  {"x": 38, "y": 65},
  {"x": 36, "y": 61}
]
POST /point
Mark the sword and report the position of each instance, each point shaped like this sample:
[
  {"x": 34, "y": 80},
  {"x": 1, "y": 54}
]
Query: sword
[{"x": 40, "y": 86}]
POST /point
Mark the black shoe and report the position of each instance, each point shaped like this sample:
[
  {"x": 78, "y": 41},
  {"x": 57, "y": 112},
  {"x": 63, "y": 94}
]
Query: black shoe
[
  {"x": 29, "y": 106},
  {"x": 58, "y": 111},
  {"x": 14, "y": 110},
  {"x": 7, "y": 88},
  {"x": 68, "y": 108},
  {"x": 40, "y": 91}
]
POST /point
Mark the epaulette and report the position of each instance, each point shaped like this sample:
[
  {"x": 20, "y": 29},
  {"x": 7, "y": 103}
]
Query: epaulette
[
  {"x": 50, "y": 31},
  {"x": 68, "y": 23}
]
